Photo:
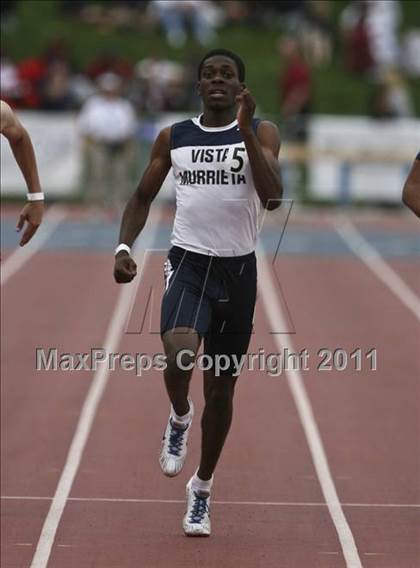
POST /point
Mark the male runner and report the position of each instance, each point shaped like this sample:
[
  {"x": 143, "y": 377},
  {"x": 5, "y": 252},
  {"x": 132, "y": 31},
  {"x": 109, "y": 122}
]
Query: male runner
[
  {"x": 225, "y": 167},
  {"x": 411, "y": 191},
  {"x": 23, "y": 151}
]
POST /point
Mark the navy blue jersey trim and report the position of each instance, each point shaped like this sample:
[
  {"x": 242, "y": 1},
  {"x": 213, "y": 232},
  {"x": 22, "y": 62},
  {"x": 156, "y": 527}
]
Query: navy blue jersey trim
[
  {"x": 186, "y": 133},
  {"x": 171, "y": 137}
]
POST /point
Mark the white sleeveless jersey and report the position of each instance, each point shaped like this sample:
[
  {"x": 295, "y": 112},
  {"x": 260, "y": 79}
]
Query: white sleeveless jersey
[{"x": 217, "y": 206}]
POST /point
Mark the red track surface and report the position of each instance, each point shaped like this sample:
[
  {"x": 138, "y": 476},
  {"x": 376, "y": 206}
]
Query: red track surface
[{"x": 368, "y": 422}]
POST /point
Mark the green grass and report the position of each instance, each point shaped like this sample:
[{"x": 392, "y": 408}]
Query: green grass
[{"x": 335, "y": 91}]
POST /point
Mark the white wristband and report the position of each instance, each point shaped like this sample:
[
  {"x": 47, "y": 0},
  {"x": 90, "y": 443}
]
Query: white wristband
[
  {"x": 35, "y": 196},
  {"x": 121, "y": 247}
]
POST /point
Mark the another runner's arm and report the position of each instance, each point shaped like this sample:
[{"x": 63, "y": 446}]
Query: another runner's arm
[
  {"x": 21, "y": 146},
  {"x": 137, "y": 208},
  {"x": 262, "y": 149},
  {"x": 23, "y": 151},
  {"x": 411, "y": 191}
]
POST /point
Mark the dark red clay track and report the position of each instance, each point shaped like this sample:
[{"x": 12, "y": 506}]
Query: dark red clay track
[
  {"x": 39, "y": 410},
  {"x": 118, "y": 515},
  {"x": 368, "y": 420},
  {"x": 409, "y": 272}
]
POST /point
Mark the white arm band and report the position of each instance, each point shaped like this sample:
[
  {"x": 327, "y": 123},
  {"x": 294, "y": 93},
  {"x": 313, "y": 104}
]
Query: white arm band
[
  {"x": 35, "y": 196},
  {"x": 121, "y": 247}
]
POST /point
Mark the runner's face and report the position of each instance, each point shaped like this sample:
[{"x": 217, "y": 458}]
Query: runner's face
[{"x": 219, "y": 83}]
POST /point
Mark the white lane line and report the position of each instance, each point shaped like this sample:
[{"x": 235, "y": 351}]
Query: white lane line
[
  {"x": 245, "y": 503},
  {"x": 90, "y": 406},
  {"x": 17, "y": 259},
  {"x": 374, "y": 261},
  {"x": 275, "y": 316},
  {"x": 384, "y": 505}
]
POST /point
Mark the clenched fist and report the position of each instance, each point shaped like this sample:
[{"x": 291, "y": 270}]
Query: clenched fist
[
  {"x": 246, "y": 110},
  {"x": 125, "y": 269}
]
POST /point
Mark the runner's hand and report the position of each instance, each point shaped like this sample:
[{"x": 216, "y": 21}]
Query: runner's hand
[
  {"x": 246, "y": 110},
  {"x": 125, "y": 269},
  {"x": 32, "y": 213}
]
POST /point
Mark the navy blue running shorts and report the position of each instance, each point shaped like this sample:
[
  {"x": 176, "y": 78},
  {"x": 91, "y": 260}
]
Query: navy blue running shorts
[{"x": 213, "y": 295}]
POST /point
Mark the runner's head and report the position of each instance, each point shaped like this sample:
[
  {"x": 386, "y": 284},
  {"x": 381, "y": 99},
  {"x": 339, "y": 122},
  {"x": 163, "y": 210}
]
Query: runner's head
[{"x": 221, "y": 76}]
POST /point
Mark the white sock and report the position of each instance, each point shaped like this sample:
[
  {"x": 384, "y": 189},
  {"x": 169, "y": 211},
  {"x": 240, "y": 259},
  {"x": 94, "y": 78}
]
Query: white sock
[
  {"x": 181, "y": 420},
  {"x": 200, "y": 485}
]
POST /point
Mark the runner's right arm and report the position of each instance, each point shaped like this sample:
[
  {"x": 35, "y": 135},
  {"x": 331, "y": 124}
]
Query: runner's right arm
[
  {"x": 411, "y": 191},
  {"x": 137, "y": 208},
  {"x": 23, "y": 151}
]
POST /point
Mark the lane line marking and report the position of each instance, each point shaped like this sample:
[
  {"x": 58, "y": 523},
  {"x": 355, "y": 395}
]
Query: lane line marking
[
  {"x": 19, "y": 256},
  {"x": 245, "y": 503},
  {"x": 376, "y": 263},
  {"x": 275, "y": 316},
  {"x": 90, "y": 406}
]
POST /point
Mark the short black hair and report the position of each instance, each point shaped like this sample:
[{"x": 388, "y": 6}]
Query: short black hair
[{"x": 225, "y": 53}]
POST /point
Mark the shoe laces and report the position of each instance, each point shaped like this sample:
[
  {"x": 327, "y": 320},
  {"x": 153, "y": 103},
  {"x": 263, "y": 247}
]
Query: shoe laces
[
  {"x": 199, "y": 508},
  {"x": 176, "y": 439}
]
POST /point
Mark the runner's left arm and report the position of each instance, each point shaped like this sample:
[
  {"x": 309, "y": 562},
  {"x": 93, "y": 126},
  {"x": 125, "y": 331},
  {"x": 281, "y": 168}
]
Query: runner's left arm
[{"x": 263, "y": 150}]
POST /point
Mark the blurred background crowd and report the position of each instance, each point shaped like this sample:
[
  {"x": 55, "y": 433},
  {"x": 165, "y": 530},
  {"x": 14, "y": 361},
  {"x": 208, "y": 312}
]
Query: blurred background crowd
[
  {"x": 371, "y": 41},
  {"x": 131, "y": 62}
]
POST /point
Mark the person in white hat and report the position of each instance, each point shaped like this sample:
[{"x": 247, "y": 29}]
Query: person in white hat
[{"x": 108, "y": 123}]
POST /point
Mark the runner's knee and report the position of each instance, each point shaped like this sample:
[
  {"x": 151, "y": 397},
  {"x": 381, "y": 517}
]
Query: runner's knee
[
  {"x": 181, "y": 346},
  {"x": 219, "y": 391}
]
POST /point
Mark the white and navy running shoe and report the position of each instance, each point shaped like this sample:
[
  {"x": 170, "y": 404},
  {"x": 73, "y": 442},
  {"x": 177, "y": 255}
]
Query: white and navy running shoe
[
  {"x": 174, "y": 446},
  {"x": 197, "y": 518}
]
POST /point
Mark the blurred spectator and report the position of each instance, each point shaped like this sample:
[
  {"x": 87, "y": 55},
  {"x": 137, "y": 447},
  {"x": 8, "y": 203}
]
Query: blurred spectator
[
  {"x": 108, "y": 124},
  {"x": 383, "y": 20},
  {"x": 10, "y": 82},
  {"x": 177, "y": 16},
  {"x": 390, "y": 98},
  {"x": 55, "y": 89},
  {"x": 410, "y": 52},
  {"x": 109, "y": 61},
  {"x": 160, "y": 85},
  {"x": 81, "y": 89},
  {"x": 379, "y": 103},
  {"x": 317, "y": 32},
  {"x": 57, "y": 50},
  {"x": 32, "y": 72},
  {"x": 295, "y": 89},
  {"x": 357, "y": 53},
  {"x": 40, "y": 82},
  {"x": 109, "y": 15},
  {"x": 56, "y": 93},
  {"x": 370, "y": 29}
]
